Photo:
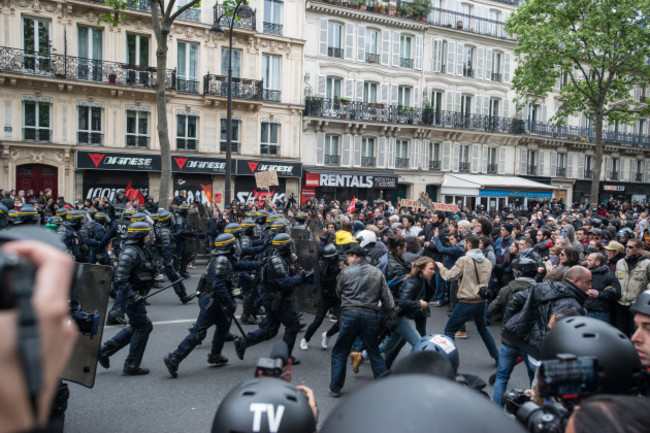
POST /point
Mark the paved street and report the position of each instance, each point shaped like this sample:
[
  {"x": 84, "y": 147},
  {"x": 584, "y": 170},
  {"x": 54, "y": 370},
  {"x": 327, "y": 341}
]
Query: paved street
[{"x": 158, "y": 403}]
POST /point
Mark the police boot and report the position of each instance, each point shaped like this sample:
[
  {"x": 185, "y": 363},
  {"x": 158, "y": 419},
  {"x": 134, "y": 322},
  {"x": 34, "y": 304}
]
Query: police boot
[
  {"x": 240, "y": 347},
  {"x": 171, "y": 362},
  {"x": 105, "y": 352},
  {"x": 181, "y": 292},
  {"x": 116, "y": 317},
  {"x": 134, "y": 370},
  {"x": 217, "y": 359}
]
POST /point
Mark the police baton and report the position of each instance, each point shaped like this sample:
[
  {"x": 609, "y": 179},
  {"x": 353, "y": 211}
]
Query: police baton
[
  {"x": 164, "y": 288},
  {"x": 234, "y": 319}
]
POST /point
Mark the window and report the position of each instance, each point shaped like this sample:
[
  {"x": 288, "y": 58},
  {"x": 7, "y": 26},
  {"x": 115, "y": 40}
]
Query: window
[
  {"x": 533, "y": 117},
  {"x": 531, "y": 161},
  {"x": 333, "y": 88},
  {"x": 269, "y": 143},
  {"x": 36, "y": 42},
  {"x": 468, "y": 62},
  {"x": 89, "y": 124},
  {"x": 137, "y": 128},
  {"x": 401, "y": 154},
  {"x": 404, "y": 96},
  {"x": 494, "y": 114},
  {"x": 234, "y": 140},
  {"x": 405, "y": 57},
  {"x": 615, "y": 169},
  {"x": 334, "y": 40},
  {"x": 495, "y": 17},
  {"x": 372, "y": 53},
  {"x": 236, "y": 62},
  {"x": 492, "y": 160},
  {"x": 186, "y": 132},
  {"x": 273, "y": 17},
  {"x": 639, "y": 171},
  {"x": 271, "y": 77},
  {"x": 432, "y": 112},
  {"x": 640, "y": 129},
  {"x": 332, "y": 156},
  {"x": 496, "y": 66},
  {"x": 466, "y": 9},
  {"x": 137, "y": 55},
  {"x": 463, "y": 158},
  {"x": 588, "y": 162},
  {"x": 465, "y": 108},
  {"x": 367, "y": 152},
  {"x": 89, "y": 42},
  {"x": 561, "y": 165},
  {"x": 187, "y": 75},
  {"x": 434, "y": 156},
  {"x": 370, "y": 92},
  {"x": 36, "y": 121}
]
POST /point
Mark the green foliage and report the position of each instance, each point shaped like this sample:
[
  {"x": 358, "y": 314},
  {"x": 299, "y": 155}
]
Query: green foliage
[
  {"x": 118, "y": 15},
  {"x": 601, "y": 46}
]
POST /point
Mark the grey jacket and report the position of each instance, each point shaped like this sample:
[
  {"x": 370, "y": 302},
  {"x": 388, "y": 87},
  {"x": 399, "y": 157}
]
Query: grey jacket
[{"x": 362, "y": 286}]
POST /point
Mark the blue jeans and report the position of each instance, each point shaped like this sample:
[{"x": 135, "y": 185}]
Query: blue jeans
[
  {"x": 507, "y": 358},
  {"x": 600, "y": 315},
  {"x": 353, "y": 323},
  {"x": 462, "y": 313},
  {"x": 440, "y": 287},
  {"x": 405, "y": 331}
]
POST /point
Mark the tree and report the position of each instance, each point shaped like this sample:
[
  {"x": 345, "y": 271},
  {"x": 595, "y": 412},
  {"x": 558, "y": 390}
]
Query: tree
[
  {"x": 600, "y": 47},
  {"x": 163, "y": 14}
]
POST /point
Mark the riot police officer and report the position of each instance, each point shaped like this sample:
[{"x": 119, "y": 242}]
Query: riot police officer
[
  {"x": 69, "y": 234},
  {"x": 250, "y": 287},
  {"x": 27, "y": 215},
  {"x": 121, "y": 227},
  {"x": 97, "y": 239},
  {"x": 300, "y": 219},
  {"x": 181, "y": 233},
  {"x": 4, "y": 213},
  {"x": 278, "y": 280},
  {"x": 164, "y": 248},
  {"x": 134, "y": 276}
]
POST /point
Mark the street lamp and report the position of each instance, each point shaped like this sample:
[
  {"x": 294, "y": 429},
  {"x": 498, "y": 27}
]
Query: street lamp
[{"x": 242, "y": 10}]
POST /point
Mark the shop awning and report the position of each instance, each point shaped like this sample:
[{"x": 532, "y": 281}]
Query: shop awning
[{"x": 476, "y": 185}]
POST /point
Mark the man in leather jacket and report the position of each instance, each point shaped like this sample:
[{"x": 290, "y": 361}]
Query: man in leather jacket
[{"x": 134, "y": 276}]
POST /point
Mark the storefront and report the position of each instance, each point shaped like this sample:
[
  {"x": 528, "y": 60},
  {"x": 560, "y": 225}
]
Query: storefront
[
  {"x": 612, "y": 191},
  {"x": 194, "y": 177},
  {"x": 246, "y": 189},
  {"x": 346, "y": 185},
  {"x": 493, "y": 192}
]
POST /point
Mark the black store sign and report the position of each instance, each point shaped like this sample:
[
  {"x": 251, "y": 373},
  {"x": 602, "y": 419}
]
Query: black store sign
[
  {"x": 284, "y": 169},
  {"x": 191, "y": 164},
  {"x": 118, "y": 161}
]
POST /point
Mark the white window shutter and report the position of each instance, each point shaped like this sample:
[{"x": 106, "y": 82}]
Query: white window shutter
[
  {"x": 623, "y": 169},
  {"x": 479, "y": 104},
  {"x": 460, "y": 58},
  {"x": 346, "y": 151},
  {"x": 385, "y": 94},
  {"x": 414, "y": 146},
  {"x": 502, "y": 160},
  {"x": 359, "y": 93},
  {"x": 488, "y": 64},
  {"x": 349, "y": 41},
  {"x": 553, "y": 163},
  {"x": 581, "y": 166},
  {"x": 647, "y": 171},
  {"x": 393, "y": 94},
  {"x": 486, "y": 154},
  {"x": 320, "y": 148},
  {"x": 456, "y": 158},
  {"x": 506, "y": 108},
  {"x": 418, "y": 52},
  {"x": 446, "y": 156},
  {"x": 348, "y": 88},
  {"x": 322, "y": 85},
  {"x": 608, "y": 167},
  {"x": 506, "y": 68},
  {"x": 541, "y": 164},
  {"x": 361, "y": 43},
  {"x": 633, "y": 170},
  {"x": 381, "y": 152},
  {"x": 357, "y": 151},
  {"x": 451, "y": 56},
  {"x": 476, "y": 158},
  {"x": 523, "y": 160},
  {"x": 486, "y": 106},
  {"x": 425, "y": 154},
  {"x": 479, "y": 63},
  {"x": 436, "y": 61},
  {"x": 385, "y": 47},
  {"x": 390, "y": 155},
  {"x": 457, "y": 99},
  {"x": 544, "y": 113},
  {"x": 450, "y": 100},
  {"x": 396, "y": 43},
  {"x": 416, "y": 96},
  {"x": 570, "y": 165},
  {"x": 322, "y": 46}
]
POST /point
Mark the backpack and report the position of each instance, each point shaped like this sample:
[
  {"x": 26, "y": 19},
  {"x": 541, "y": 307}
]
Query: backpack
[{"x": 395, "y": 284}]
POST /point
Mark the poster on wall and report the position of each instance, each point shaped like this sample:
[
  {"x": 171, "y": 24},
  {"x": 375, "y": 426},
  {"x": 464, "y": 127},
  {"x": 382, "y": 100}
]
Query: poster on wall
[
  {"x": 106, "y": 184},
  {"x": 246, "y": 189},
  {"x": 193, "y": 187}
]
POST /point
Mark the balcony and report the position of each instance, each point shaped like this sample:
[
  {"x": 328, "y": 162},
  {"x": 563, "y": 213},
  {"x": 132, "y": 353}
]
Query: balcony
[
  {"x": 137, "y": 141},
  {"x": 138, "y": 5},
  {"x": 240, "y": 23},
  {"x": 272, "y": 29},
  {"x": 187, "y": 85},
  {"x": 496, "y": 77},
  {"x": 401, "y": 162},
  {"x": 61, "y": 67},
  {"x": 435, "y": 165},
  {"x": 271, "y": 95},
  {"x": 335, "y": 52},
  {"x": 269, "y": 149},
  {"x": 242, "y": 88},
  {"x": 613, "y": 175},
  {"x": 191, "y": 14},
  {"x": 638, "y": 177},
  {"x": 577, "y": 133},
  {"x": 332, "y": 160},
  {"x": 186, "y": 143},
  {"x": 40, "y": 135},
  {"x": 492, "y": 168},
  {"x": 405, "y": 63},
  {"x": 90, "y": 138},
  {"x": 367, "y": 161},
  {"x": 588, "y": 174},
  {"x": 532, "y": 170},
  {"x": 560, "y": 172},
  {"x": 468, "y": 72},
  {"x": 372, "y": 58},
  {"x": 463, "y": 167}
]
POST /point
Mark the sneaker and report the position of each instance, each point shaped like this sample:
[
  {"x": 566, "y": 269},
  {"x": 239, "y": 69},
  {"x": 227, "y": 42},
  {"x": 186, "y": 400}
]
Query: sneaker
[
  {"x": 324, "y": 340},
  {"x": 461, "y": 334},
  {"x": 333, "y": 319},
  {"x": 334, "y": 394},
  {"x": 304, "y": 344},
  {"x": 357, "y": 360}
]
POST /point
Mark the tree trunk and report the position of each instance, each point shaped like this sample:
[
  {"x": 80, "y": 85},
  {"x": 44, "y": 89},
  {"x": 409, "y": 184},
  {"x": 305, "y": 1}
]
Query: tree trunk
[
  {"x": 161, "y": 111},
  {"x": 598, "y": 159}
]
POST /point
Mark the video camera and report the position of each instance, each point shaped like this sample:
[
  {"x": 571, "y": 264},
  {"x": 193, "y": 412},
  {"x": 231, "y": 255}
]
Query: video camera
[{"x": 278, "y": 364}]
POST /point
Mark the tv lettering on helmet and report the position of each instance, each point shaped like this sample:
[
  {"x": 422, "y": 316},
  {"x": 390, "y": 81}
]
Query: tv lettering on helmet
[
  {"x": 346, "y": 180},
  {"x": 273, "y": 416}
]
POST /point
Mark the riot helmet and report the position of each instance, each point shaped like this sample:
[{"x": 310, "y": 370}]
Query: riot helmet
[
  {"x": 279, "y": 226},
  {"x": 329, "y": 251},
  {"x": 62, "y": 211},
  {"x": 193, "y": 211},
  {"x": 241, "y": 410},
  {"x": 138, "y": 230},
  {"x": 525, "y": 268},
  {"x": 233, "y": 228},
  {"x": 248, "y": 226},
  {"x": 366, "y": 238},
  {"x": 12, "y": 216},
  {"x": 128, "y": 213},
  {"x": 301, "y": 217},
  {"x": 441, "y": 344},
  {"x": 102, "y": 218},
  {"x": 260, "y": 216},
  {"x": 53, "y": 223},
  {"x": 617, "y": 362},
  {"x": 624, "y": 235},
  {"x": 596, "y": 222},
  {"x": 91, "y": 211},
  {"x": 284, "y": 245},
  {"x": 182, "y": 209},
  {"x": 642, "y": 303},
  {"x": 75, "y": 217},
  {"x": 27, "y": 215},
  {"x": 164, "y": 218},
  {"x": 4, "y": 212},
  {"x": 272, "y": 217},
  {"x": 224, "y": 244}
]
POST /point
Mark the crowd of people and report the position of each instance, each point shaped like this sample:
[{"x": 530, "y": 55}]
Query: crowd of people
[{"x": 381, "y": 269}]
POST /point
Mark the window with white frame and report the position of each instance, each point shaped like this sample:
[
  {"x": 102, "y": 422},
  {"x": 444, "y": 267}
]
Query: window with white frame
[
  {"x": 271, "y": 77},
  {"x": 463, "y": 156},
  {"x": 367, "y": 152},
  {"x": 334, "y": 34},
  {"x": 187, "y": 67},
  {"x": 137, "y": 54},
  {"x": 332, "y": 156},
  {"x": 370, "y": 92},
  {"x": 495, "y": 17},
  {"x": 236, "y": 62},
  {"x": 492, "y": 166},
  {"x": 561, "y": 165},
  {"x": 496, "y": 66},
  {"x": 137, "y": 128},
  {"x": 468, "y": 61},
  {"x": 401, "y": 153},
  {"x": 90, "y": 46},
  {"x": 89, "y": 124},
  {"x": 187, "y": 126},
  {"x": 333, "y": 88},
  {"x": 36, "y": 43},
  {"x": 404, "y": 96},
  {"x": 531, "y": 162},
  {"x": 466, "y": 105},
  {"x": 372, "y": 44},
  {"x": 37, "y": 121},
  {"x": 588, "y": 163},
  {"x": 273, "y": 17},
  {"x": 466, "y": 20},
  {"x": 234, "y": 136},
  {"x": 270, "y": 136},
  {"x": 434, "y": 156},
  {"x": 405, "y": 51}
]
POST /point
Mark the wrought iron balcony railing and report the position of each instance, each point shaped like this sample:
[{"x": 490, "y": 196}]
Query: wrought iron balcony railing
[
  {"x": 405, "y": 63},
  {"x": 43, "y": 135},
  {"x": 187, "y": 85},
  {"x": 191, "y": 14},
  {"x": 577, "y": 133},
  {"x": 613, "y": 175},
  {"x": 638, "y": 177},
  {"x": 492, "y": 168},
  {"x": 468, "y": 72},
  {"x": 186, "y": 143},
  {"x": 269, "y": 149},
  {"x": 335, "y": 52},
  {"x": 588, "y": 174},
  {"x": 401, "y": 162},
  {"x": 243, "y": 88},
  {"x": 560, "y": 172},
  {"x": 332, "y": 160},
  {"x": 496, "y": 76},
  {"x": 372, "y": 58},
  {"x": 233, "y": 146},
  {"x": 240, "y": 23},
  {"x": 138, "y": 5},
  {"x": 435, "y": 165},
  {"x": 367, "y": 161},
  {"x": 532, "y": 170},
  {"x": 137, "y": 141},
  {"x": 271, "y": 95},
  {"x": 272, "y": 29},
  {"x": 90, "y": 138},
  {"x": 463, "y": 167}
]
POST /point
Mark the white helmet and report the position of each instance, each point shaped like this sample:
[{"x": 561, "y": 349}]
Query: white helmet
[{"x": 366, "y": 237}]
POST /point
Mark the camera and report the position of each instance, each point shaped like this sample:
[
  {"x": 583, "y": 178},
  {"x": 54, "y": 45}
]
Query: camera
[
  {"x": 16, "y": 274},
  {"x": 550, "y": 418},
  {"x": 277, "y": 364}
]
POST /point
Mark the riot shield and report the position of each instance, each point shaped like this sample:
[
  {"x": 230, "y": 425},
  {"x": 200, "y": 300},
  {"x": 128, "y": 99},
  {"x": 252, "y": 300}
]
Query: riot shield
[
  {"x": 300, "y": 233},
  {"x": 88, "y": 301},
  {"x": 306, "y": 296}
]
